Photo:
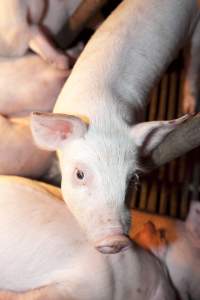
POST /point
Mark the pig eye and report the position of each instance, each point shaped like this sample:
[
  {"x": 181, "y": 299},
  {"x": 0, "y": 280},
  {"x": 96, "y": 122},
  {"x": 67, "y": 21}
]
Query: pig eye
[
  {"x": 82, "y": 175},
  {"x": 79, "y": 174}
]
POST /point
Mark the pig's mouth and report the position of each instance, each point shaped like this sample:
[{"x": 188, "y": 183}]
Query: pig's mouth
[{"x": 113, "y": 244}]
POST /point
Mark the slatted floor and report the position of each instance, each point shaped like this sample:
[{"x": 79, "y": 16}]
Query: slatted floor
[{"x": 169, "y": 190}]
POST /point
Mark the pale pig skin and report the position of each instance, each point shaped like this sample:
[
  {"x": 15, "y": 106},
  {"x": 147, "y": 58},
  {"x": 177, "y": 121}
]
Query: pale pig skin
[
  {"x": 26, "y": 84},
  {"x": 44, "y": 254},
  {"x": 18, "y": 153},
  {"x": 100, "y": 142},
  {"x": 23, "y": 23},
  {"x": 179, "y": 249}
]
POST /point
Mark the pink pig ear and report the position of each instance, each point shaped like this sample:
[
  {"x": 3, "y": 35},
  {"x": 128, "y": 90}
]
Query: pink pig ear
[
  {"x": 51, "y": 130},
  {"x": 148, "y": 135},
  {"x": 193, "y": 219}
]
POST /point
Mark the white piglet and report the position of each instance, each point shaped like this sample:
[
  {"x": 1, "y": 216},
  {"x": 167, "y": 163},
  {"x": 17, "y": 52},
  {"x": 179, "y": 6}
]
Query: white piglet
[
  {"x": 45, "y": 255},
  {"x": 94, "y": 124}
]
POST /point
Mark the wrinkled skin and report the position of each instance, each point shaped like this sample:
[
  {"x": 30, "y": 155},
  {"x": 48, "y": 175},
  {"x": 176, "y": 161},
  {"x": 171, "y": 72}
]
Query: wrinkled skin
[
  {"x": 51, "y": 256},
  {"x": 24, "y": 25},
  {"x": 95, "y": 126},
  {"x": 180, "y": 250}
]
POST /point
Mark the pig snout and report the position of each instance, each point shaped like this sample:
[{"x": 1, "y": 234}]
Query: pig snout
[{"x": 113, "y": 244}]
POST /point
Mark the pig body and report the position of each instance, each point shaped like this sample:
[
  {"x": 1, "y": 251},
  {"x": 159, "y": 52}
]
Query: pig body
[
  {"x": 180, "y": 251},
  {"x": 23, "y": 23},
  {"x": 183, "y": 256},
  {"x": 26, "y": 84},
  {"x": 45, "y": 255},
  {"x": 95, "y": 122},
  {"x": 18, "y": 153}
]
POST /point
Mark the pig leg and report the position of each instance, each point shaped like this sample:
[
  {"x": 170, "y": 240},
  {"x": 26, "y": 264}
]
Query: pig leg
[
  {"x": 40, "y": 44},
  {"x": 191, "y": 89}
]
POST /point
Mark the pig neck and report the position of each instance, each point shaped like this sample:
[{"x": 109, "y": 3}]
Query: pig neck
[
  {"x": 139, "y": 273},
  {"x": 126, "y": 56}
]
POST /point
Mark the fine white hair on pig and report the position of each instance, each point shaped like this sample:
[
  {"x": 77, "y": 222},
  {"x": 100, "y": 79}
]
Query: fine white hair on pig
[{"x": 95, "y": 125}]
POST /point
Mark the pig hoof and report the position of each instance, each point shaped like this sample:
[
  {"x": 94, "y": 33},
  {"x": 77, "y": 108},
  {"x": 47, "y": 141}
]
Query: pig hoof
[{"x": 112, "y": 245}]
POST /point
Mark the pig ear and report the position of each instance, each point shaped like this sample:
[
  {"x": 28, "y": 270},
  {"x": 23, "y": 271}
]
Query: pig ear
[
  {"x": 193, "y": 219},
  {"x": 51, "y": 130},
  {"x": 148, "y": 135}
]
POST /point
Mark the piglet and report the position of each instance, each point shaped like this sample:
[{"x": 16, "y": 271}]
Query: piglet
[
  {"x": 95, "y": 125},
  {"x": 44, "y": 253},
  {"x": 178, "y": 245}
]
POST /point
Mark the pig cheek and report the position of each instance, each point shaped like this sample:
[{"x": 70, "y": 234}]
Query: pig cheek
[{"x": 75, "y": 196}]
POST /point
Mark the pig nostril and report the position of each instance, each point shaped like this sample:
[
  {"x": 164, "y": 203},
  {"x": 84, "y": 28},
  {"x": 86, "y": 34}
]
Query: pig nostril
[
  {"x": 111, "y": 250},
  {"x": 111, "y": 245}
]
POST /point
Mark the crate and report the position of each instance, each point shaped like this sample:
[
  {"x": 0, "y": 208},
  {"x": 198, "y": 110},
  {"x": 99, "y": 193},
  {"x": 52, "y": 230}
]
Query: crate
[{"x": 169, "y": 190}]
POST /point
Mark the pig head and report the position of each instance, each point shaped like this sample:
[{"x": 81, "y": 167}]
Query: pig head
[
  {"x": 99, "y": 141},
  {"x": 98, "y": 159}
]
